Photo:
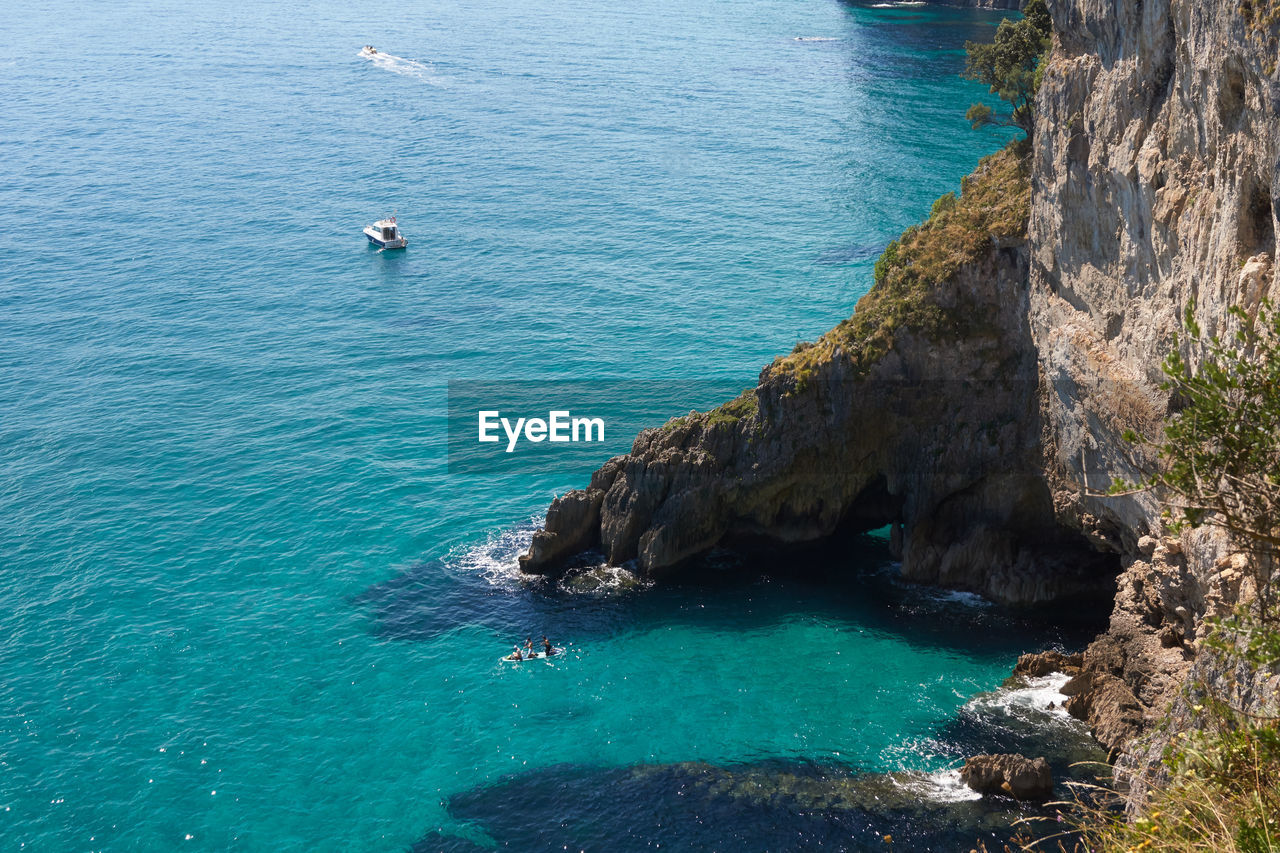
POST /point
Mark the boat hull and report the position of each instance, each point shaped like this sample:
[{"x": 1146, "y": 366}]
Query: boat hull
[{"x": 387, "y": 244}]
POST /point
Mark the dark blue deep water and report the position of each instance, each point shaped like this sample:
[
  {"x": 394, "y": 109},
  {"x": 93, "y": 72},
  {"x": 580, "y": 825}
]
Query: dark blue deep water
[{"x": 244, "y": 604}]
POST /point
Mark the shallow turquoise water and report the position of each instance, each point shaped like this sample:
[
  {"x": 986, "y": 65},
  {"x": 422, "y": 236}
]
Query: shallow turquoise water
[{"x": 244, "y": 604}]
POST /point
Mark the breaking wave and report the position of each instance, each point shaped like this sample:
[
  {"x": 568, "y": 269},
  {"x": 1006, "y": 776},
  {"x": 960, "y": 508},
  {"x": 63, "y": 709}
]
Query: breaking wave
[
  {"x": 1035, "y": 700},
  {"x": 943, "y": 786},
  {"x": 496, "y": 560}
]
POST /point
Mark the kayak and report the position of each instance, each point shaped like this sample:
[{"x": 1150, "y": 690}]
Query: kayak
[{"x": 556, "y": 651}]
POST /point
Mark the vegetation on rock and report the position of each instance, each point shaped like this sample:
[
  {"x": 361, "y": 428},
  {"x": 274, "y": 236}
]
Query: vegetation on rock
[
  {"x": 1219, "y": 460},
  {"x": 993, "y": 206},
  {"x": 1262, "y": 17},
  {"x": 745, "y": 405}
]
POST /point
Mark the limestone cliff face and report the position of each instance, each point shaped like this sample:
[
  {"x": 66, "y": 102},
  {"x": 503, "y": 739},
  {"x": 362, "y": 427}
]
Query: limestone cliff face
[
  {"x": 1154, "y": 175},
  {"x": 976, "y": 400},
  {"x": 1154, "y": 178}
]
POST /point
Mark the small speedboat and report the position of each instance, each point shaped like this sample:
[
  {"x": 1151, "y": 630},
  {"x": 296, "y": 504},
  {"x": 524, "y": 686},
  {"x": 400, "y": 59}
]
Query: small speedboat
[
  {"x": 386, "y": 234},
  {"x": 369, "y": 50}
]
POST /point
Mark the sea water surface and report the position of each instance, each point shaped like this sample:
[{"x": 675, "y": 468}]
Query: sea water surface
[{"x": 244, "y": 604}]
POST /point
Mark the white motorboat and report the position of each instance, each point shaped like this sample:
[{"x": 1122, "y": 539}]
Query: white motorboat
[{"x": 385, "y": 233}]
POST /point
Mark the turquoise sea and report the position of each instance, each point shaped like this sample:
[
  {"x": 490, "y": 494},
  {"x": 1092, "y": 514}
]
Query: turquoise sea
[{"x": 244, "y": 603}]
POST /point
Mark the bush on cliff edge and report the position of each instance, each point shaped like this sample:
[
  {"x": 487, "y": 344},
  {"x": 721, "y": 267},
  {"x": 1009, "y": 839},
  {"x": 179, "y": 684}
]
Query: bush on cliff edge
[{"x": 1219, "y": 459}]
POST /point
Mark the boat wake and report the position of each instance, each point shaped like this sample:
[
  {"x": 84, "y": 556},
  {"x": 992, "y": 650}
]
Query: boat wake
[{"x": 404, "y": 67}]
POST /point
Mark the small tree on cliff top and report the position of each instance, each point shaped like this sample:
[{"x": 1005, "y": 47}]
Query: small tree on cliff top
[{"x": 1011, "y": 67}]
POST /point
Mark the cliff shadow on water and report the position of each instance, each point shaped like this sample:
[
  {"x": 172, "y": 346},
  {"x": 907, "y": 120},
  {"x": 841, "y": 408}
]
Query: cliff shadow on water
[
  {"x": 695, "y": 806},
  {"x": 848, "y": 579},
  {"x": 847, "y": 583}
]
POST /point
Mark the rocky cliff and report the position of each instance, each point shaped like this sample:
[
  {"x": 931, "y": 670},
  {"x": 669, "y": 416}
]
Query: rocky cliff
[
  {"x": 977, "y": 398},
  {"x": 1154, "y": 175}
]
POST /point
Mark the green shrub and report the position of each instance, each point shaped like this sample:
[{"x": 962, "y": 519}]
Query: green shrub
[
  {"x": 887, "y": 261},
  {"x": 944, "y": 204},
  {"x": 1219, "y": 464}
]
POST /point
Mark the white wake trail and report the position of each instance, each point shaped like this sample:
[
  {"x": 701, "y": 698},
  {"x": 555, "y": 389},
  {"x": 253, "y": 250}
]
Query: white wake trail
[{"x": 404, "y": 67}]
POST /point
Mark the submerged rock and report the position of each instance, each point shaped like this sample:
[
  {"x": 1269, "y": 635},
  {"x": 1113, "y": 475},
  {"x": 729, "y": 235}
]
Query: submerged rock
[
  {"x": 1009, "y": 775},
  {"x": 700, "y": 806},
  {"x": 601, "y": 580}
]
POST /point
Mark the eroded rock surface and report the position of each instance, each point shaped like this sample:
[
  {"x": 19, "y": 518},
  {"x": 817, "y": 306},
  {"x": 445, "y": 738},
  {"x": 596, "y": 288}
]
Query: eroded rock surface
[
  {"x": 1009, "y": 775},
  {"x": 924, "y": 417},
  {"x": 1037, "y": 664},
  {"x": 1155, "y": 177}
]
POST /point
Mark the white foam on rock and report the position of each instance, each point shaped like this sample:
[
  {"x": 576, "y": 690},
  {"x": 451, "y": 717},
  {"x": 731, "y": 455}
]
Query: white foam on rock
[
  {"x": 1035, "y": 699},
  {"x": 603, "y": 580},
  {"x": 942, "y": 786},
  {"x": 497, "y": 561}
]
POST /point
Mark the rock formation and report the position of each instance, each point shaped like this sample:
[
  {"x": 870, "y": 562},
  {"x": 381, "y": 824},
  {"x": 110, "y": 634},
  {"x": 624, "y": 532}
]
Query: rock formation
[
  {"x": 977, "y": 399},
  {"x": 1037, "y": 664},
  {"x": 1154, "y": 175},
  {"x": 1008, "y": 775},
  {"x": 919, "y": 412}
]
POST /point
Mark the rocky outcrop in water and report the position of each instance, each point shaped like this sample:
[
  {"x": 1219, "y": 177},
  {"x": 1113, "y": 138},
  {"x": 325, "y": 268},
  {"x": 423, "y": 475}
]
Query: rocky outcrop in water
[
  {"x": 978, "y": 404},
  {"x": 1009, "y": 776},
  {"x": 1037, "y": 664},
  {"x": 919, "y": 412}
]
